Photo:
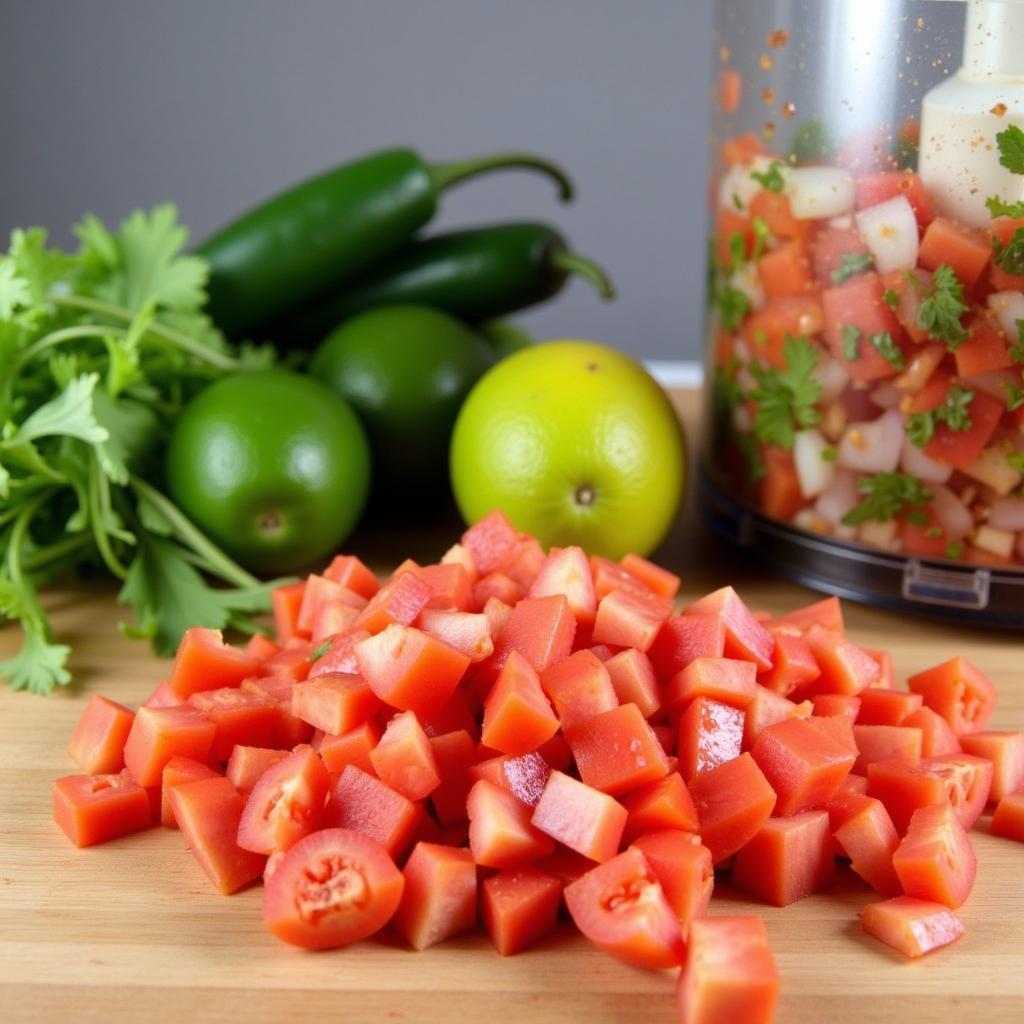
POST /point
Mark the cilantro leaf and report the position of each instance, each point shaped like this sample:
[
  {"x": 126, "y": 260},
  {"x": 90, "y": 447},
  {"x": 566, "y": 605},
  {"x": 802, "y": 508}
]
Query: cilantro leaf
[
  {"x": 1011, "y": 148},
  {"x": 38, "y": 666},
  {"x": 786, "y": 398},
  {"x": 772, "y": 179},
  {"x": 1014, "y": 395},
  {"x": 887, "y": 494},
  {"x": 851, "y": 343},
  {"x": 851, "y": 264},
  {"x": 737, "y": 250},
  {"x": 1000, "y": 208},
  {"x": 732, "y": 306},
  {"x": 761, "y": 231},
  {"x": 888, "y": 349},
  {"x": 954, "y": 549},
  {"x": 940, "y": 311},
  {"x": 14, "y": 289},
  {"x": 70, "y": 414},
  {"x": 39, "y": 267},
  {"x": 1010, "y": 257},
  {"x": 955, "y": 410},
  {"x": 920, "y": 428},
  {"x": 891, "y": 298}
]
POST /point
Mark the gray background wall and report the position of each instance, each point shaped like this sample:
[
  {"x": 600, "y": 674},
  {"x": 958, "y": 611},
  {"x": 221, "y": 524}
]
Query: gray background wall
[{"x": 106, "y": 105}]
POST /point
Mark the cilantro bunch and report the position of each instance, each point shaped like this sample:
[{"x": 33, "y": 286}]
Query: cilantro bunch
[{"x": 100, "y": 349}]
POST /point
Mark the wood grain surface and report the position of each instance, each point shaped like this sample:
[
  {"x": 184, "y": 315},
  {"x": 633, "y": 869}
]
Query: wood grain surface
[{"x": 132, "y": 931}]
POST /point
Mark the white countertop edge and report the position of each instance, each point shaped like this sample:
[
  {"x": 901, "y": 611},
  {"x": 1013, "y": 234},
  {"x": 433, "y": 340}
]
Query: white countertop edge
[{"x": 671, "y": 373}]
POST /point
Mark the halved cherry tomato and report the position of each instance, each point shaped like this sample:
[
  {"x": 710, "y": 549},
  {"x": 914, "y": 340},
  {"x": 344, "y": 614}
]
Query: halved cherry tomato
[
  {"x": 729, "y": 975},
  {"x": 205, "y": 662},
  {"x": 501, "y": 834},
  {"x": 1006, "y": 752},
  {"x": 91, "y": 809},
  {"x": 404, "y": 758},
  {"x": 936, "y": 861},
  {"x": 957, "y": 691},
  {"x": 286, "y": 804},
  {"x": 520, "y": 906},
  {"x": 439, "y": 897},
  {"x": 620, "y": 906},
  {"x": 787, "y": 859},
  {"x": 331, "y": 889},
  {"x": 97, "y": 743},
  {"x": 866, "y": 834},
  {"x": 580, "y": 817},
  {"x": 682, "y": 866},
  {"x": 517, "y": 715},
  {"x": 664, "y": 804},
  {"x": 157, "y": 734},
  {"x": 912, "y": 927},
  {"x": 247, "y": 765},
  {"x": 177, "y": 771},
  {"x": 364, "y": 804}
]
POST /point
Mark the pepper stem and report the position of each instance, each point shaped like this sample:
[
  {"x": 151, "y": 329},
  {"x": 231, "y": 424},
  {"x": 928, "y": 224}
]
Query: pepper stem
[
  {"x": 573, "y": 263},
  {"x": 445, "y": 175}
]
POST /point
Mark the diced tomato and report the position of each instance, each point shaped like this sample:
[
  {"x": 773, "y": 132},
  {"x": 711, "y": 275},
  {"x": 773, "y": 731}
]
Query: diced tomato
[
  {"x": 964, "y": 249},
  {"x": 157, "y": 734},
  {"x": 609, "y": 576},
  {"x": 985, "y": 349},
  {"x": 567, "y": 571},
  {"x": 246, "y": 766},
  {"x": 92, "y": 809},
  {"x": 337, "y": 752},
  {"x": 793, "y": 665},
  {"x": 524, "y": 777},
  {"x": 454, "y": 753},
  {"x": 457, "y": 714},
  {"x": 491, "y": 542},
  {"x": 580, "y": 817},
  {"x": 1003, "y": 230},
  {"x": 829, "y": 246},
  {"x": 469, "y": 633},
  {"x": 726, "y": 680},
  {"x": 866, "y": 835},
  {"x": 501, "y": 834},
  {"x": 451, "y": 586},
  {"x": 729, "y": 975},
  {"x": 320, "y": 592},
  {"x": 1008, "y": 819},
  {"x": 541, "y": 629},
  {"x": 497, "y": 585},
  {"x": 332, "y": 619},
  {"x": 365, "y": 804},
  {"x": 350, "y": 572},
  {"x": 620, "y": 906},
  {"x": 733, "y": 801},
  {"x": 1006, "y": 752},
  {"x": 286, "y": 601},
  {"x": 742, "y": 149},
  {"x": 710, "y": 733},
  {"x": 410, "y": 670},
  {"x": 836, "y": 727},
  {"x": 885, "y": 743},
  {"x": 828, "y": 704},
  {"x": 801, "y": 763},
  {"x": 340, "y": 656},
  {"x": 827, "y": 613},
  {"x": 177, "y": 771},
  {"x": 162, "y": 697},
  {"x": 288, "y": 731},
  {"x": 745, "y": 637},
  {"x": 660, "y": 805},
  {"x": 205, "y": 662},
  {"x": 208, "y": 812},
  {"x": 334, "y": 702},
  {"x": 859, "y": 303},
  {"x": 439, "y": 897},
  {"x": 912, "y": 927},
  {"x": 286, "y": 803},
  {"x": 787, "y": 859},
  {"x": 520, "y": 907},
  {"x": 660, "y": 580},
  {"x": 936, "y": 736},
  {"x": 789, "y": 316},
  {"x": 295, "y": 662},
  {"x": 629, "y": 620},
  {"x": 517, "y": 715},
  {"x": 775, "y": 210},
  {"x": 730, "y": 224},
  {"x": 238, "y": 717},
  {"x": 766, "y": 708},
  {"x": 617, "y": 751},
  {"x": 786, "y": 270},
  {"x": 936, "y": 861},
  {"x": 904, "y": 787},
  {"x": 398, "y": 602},
  {"x": 260, "y": 646},
  {"x": 877, "y": 188},
  {"x": 404, "y": 758},
  {"x": 97, "y": 743},
  {"x": 684, "y": 638},
  {"x": 632, "y": 678},
  {"x": 958, "y": 692},
  {"x": 331, "y": 889},
  {"x": 886, "y": 707},
  {"x": 683, "y": 868},
  {"x": 778, "y": 491},
  {"x": 845, "y": 666}
]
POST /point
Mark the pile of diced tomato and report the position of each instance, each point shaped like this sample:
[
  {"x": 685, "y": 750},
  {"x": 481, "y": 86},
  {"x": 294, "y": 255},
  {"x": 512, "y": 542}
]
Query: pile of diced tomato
[{"x": 510, "y": 732}]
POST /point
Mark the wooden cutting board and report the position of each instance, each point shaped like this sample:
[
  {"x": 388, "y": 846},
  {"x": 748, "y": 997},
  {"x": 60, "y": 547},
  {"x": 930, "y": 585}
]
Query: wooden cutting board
[{"x": 132, "y": 931}]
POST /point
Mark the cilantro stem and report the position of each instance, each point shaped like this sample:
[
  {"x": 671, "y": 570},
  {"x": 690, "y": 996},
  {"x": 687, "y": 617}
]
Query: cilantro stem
[
  {"x": 42, "y": 557},
  {"x": 33, "y": 618},
  {"x": 58, "y": 337},
  {"x": 98, "y": 515},
  {"x": 190, "y": 535},
  {"x": 183, "y": 341}
]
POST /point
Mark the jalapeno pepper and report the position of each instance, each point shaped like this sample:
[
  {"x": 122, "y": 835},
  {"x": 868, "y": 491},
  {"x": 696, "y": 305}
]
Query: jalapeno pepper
[{"x": 324, "y": 231}]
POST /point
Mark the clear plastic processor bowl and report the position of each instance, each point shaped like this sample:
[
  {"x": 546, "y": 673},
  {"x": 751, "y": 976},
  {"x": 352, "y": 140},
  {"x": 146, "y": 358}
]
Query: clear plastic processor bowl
[{"x": 865, "y": 313}]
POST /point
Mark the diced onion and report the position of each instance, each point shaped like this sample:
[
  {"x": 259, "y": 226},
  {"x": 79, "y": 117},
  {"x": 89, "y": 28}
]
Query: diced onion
[
  {"x": 830, "y": 376},
  {"x": 840, "y": 496},
  {"x": 914, "y": 461},
  {"x": 889, "y": 230},
  {"x": 992, "y": 469},
  {"x": 886, "y": 395},
  {"x": 951, "y": 513},
  {"x": 820, "y": 192},
  {"x": 748, "y": 281},
  {"x": 737, "y": 184},
  {"x": 873, "y": 447},
  {"x": 1007, "y": 514},
  {"x": 879, "y": 534},
  {"x": 813, "y": 472},
  {"x": 1009, "y": 308},
  {"x": 995, "y": 542}
]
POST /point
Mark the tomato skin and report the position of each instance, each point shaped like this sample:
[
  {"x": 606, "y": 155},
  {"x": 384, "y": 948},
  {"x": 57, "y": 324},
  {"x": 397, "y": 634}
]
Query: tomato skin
[
  {"x": 157, "y": 734},
  {"x": 729, "y": 975},
  {"x": 936, "y": 861},
  {"x": 177, "y": 771},
  {"x": 619, "y": 905},
  {"x": 439, "y": 895},
  {"x": 361, "y": 803},
  {"x": 286, "y": 804},
  {"x": 331, "y": 889},
  {"x": 92, "y": 809},
  {"x": 958, "y": 692},
  {"x": 97, "y": 743},
  {"x": 205, "y": 662},
  {"x": 520, "y": 906},
  {"x": 580, "y": 817},
  {"x": 912, "y": 927}
]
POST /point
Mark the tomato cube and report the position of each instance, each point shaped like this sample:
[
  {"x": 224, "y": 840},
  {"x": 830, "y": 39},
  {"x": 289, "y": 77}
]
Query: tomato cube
[
  {"x": 866, "y": 835},
  {"x": 936, "y": 861},
  {"x": 630, "y": 620},
  {"x": 660, "y": 580},
  {"x": 294, "y": 662},
  {"x": 97, "y": 743},
  {"x": 721, "y": 679},
  {"x": 967, "y": 251},
  {"x": 733, "y": 801},
  {"x": 501, "y": 834},
  {"x": 827, "y": 613},
  {"x": 936, "y": 735},
  {"x": 729, "y": 974},
  {"x": 787, "y": 859},
  {"x": 541, "y": 629},
  {"x": 745, "y": 638},
  {"x": 827, "y": 705},
  {"x": 845, "y": 667},
  {"x": 467, "y": 632},
  {"x": 247, "y": 765},
  {"x": 238, "y": 716},
  {"x": 162, "y": 697},
  {"x": 335, "y": 702},
  {"x": 520, "y": 907},
  {"x": 836, "y": 727},
  {"x": 353, "y": 747},
  {"x": 664, "y": 804},
  {"x": 332, "y": 619},
  {"x": 580, "y": 687},
  {"x": 320, "y": 592},
  {"x": 617, "y": 750},
  {"x": 498, "y": 586},
  {"x": 1006, "y": 752},
  {"x": 802, "y": 764},
  {"x": 1008, "y": 818},
  {"x": 684, "y": 638},
  {"x": 410, "y": 670},
  {"x": 260, "y": 646},
  {"x": 912, "y": 927},
  {"x": 177, "y": 771},
  {"x": 492, "y": 541},
  {"x": 580, "y": 817},
  {"x": 885, "y": 743},
  {"x": 157, "y": 734},
  {"x": 404, "y": 758},
  {"x": 633, "y": 681},
  {"x": 286, "y": 601},
  {"x": 524, "y": 777},
  {"x": 710, "y": 733},
  {"x": 205, "y": 662},
  {"x": 92, "y": 809},
  {"x": 454, "y": 754},
  {"x": 450, "y": 585},
  {"x": 567, "y": 571},
  {"x": 683, "y": 868},
  {"x": 398, "y": 602},
  {"x": 958, "y": 692},
  {"x": 208, "y": 813},
  {"x": 517, "y": 715},
  {"x": 793, "y": 665},
  {"x": 340, "y": 657},
  {"x": 766, "y": 708},
  {"x": 876, "y": 188},
  {"x": 439, "y": 897},
  {"x": 364, "y": 804},
  {"x": 886, "y": 707}
]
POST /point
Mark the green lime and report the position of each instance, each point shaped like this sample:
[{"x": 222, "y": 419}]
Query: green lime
[
  {"x": 406, "y": 371},
  {"x": 272, "y": 466},
  {"x": 577, "y": 444}
]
